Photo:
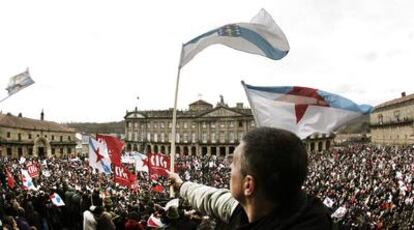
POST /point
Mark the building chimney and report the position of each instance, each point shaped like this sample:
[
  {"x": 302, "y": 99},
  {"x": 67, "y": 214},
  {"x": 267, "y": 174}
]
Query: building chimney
[
  {"x": 20, "y": 114},
  {"x": 403, "y": 94},
  {"x": 42, "y": 115}
]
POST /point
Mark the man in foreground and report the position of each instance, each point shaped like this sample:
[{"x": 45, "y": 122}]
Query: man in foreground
[{"x": 268, "y": 169}]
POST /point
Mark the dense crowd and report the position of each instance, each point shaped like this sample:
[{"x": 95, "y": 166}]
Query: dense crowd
[{"x": 364, "y": 186}]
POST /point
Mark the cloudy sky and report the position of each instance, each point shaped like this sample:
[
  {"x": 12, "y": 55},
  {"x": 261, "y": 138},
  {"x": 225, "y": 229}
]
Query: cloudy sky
[{"x": 91, "y": 59}]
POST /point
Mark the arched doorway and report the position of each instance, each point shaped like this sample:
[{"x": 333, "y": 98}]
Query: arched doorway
[
  {"x": 193, "y": 150},
  {"x": 204, "y": 151},
  {"x": 41, "y": 147},
  {"x": 222, "y": 151},
  {"x": 185, "y": 150},
  {"x": 162, "y": 149}
]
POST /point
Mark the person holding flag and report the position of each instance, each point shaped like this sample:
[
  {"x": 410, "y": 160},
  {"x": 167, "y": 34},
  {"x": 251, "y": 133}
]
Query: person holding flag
[{"x": 267, "y": 173}]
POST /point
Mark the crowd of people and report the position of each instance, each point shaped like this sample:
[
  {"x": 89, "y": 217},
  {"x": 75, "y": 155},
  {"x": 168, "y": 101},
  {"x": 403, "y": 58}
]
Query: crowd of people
[{"x": 364, "y": 186}]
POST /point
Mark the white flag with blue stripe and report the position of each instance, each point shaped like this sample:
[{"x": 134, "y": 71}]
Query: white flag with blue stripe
[
  {"x": 19, "y": 82},
  {"x": 301, "y": 110},
  {"x": 99, "y": 156},
  {"x": 261, "y": 36}
]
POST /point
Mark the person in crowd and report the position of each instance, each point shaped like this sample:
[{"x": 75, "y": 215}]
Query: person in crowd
[{"x": 268, "y": 170}]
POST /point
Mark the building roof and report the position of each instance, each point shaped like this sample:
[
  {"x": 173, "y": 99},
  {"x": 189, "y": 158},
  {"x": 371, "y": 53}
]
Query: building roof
[
  {"x": 201, "y": 102},
  {"x": 395, "y": 101},
  {"x": 11, "y": 121}
]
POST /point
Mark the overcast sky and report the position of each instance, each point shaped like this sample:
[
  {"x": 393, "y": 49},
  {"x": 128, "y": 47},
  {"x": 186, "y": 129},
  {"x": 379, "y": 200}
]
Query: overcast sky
[{"x": 92, "y": 59}]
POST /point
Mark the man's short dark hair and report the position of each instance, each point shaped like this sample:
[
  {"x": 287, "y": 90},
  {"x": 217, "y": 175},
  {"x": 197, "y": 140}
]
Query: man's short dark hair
[{"x": 278, "y": 161}]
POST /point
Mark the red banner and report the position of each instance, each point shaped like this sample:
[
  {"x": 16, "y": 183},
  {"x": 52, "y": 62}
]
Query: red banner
[
  {"x": 123, "y": 177},
  {"x": 114, "y": 146},
  {"x": 158, "y": 163},
  {"x": 32, "y": 169}
]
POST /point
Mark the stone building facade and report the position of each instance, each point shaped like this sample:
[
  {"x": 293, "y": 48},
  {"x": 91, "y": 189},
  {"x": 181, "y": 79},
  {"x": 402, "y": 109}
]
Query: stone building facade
[
  {"x": 392, "y": 122},
  {"x": 201, "y": 130},
  {"x": 21, "y": 136}
]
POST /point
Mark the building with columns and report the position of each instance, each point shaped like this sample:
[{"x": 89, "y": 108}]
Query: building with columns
[
  {"x": 201, "y": 130},
  {"x": 21, "y": 136},
  {"x": 392, "y": 122}
]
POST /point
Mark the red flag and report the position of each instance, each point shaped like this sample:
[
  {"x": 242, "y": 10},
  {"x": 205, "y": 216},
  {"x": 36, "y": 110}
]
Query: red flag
[
  {"x": 158, "y": 188},
  {"x": 158, "y": 164},
  {"x": 10, "y": 179},
  {"x": 123, "y": 177},
  {"x": 114, "y": 146}
]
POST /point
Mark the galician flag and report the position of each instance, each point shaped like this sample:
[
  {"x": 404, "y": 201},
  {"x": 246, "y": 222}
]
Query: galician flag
[
  {"x": 27, "y": 181},
  {"x": 262, "y": 36},
  {"x": 19, "y": 82},
  {"x": 98, "y": 156},
  {"x": 303, "y": 111},
  {"x": 57, "y": 200}
]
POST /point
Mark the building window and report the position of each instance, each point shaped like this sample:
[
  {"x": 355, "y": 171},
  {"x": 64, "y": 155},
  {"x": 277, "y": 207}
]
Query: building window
[
  {"x": 185, "y": 125},
  {"x": 20, "y": 151},
  {"x": 231, "y": 137},
  {"x": 61, "y": 138},
  {"x": 169, "y": 125},
  {"x": 155, "y": 125},
  {"x": 9, "y": 151},
  {"x": 155, "y": 137},
  {"x": 240, "y": 124},
  {"x": 221, "y": 124},
  {"x": 204, "y": 137},
  {"x": 380, "y": 119},
  {"x": 162, "y": 137},
  {"x": 45, "y": 136},
  {"x": 61, "y": 150},
  {"x": 69, "y": 150},
  {"x": 53, "y": 151},
  {"x": 222, "y": 137},
  {"x": 162, "y": 124},
  {"x": 204, "y": 125},
  {"x": 193, "y": 125},
  {"x": 29, "y": 136},
  {"x": 213, "y": 124},
  {"x": 136, "y": 124},
  {"x": 213, "y": 137},
  {"x": 69, "y": 138},
  {"x": 53, "y": 137},
  {"x": 148, "y": 125},
  {"x": 185, "y": 137},
  {"x": 177, "y": 138},
  {"x": 231, "y": 124},
  {"x": 8, "y": 134},
  {"x": 148, "y": 136},
  {"x": 30, "y": 151},
  {"x": 397, "y": 115},
  {"x": 193, "y": 137},
  {"x": 19, "y": 136}
]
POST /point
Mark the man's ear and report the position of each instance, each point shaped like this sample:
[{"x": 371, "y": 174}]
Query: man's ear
[{"x": 249, "y": 185}]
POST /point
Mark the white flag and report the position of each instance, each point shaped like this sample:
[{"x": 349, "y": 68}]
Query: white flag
[
  {"x": 261, "y": 36},
  {"x": 19, "y": 82},
  {"x": 301, "y": 110},
  {"x": 99, "y": 157}
]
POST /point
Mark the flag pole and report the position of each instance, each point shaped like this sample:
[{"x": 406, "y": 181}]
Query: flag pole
[
  {"x": 251, "y": 105},
  {"x": 5, "y": 98},
  {"x": 174, "y": 122}
]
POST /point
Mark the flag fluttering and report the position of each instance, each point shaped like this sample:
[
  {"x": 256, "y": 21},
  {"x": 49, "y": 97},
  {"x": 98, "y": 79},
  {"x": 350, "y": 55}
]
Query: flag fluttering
[
  {"x": 98, "y": 156},
  {"x": 303, "y": 111},
  {"x": 261, "y": 36},
  {"x": 57, "y": 200},
  {"x": 27, "y": 181},
  {"x": 114, "y": 146},
  {"x": 10, "y": 179},
  {"x": 19, "y": 82}
]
